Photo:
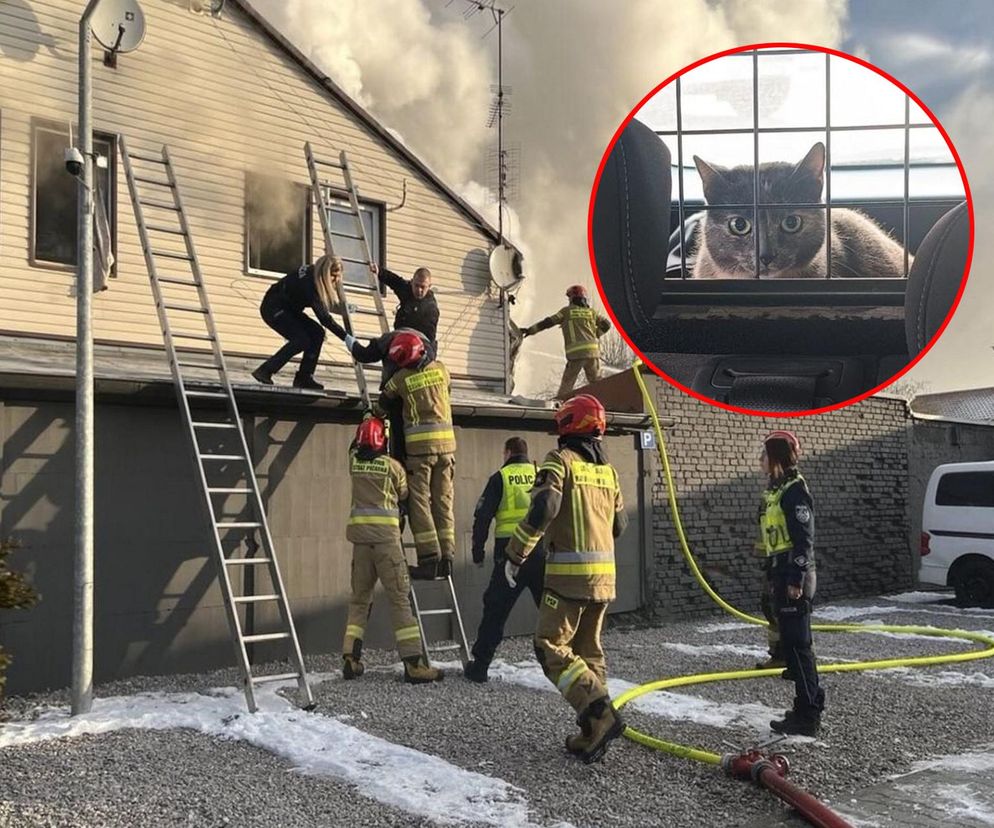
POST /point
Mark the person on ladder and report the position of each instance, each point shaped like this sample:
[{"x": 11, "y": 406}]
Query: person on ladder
[
  {"x": 418, "y": 307},
  {"x": 576, "y": 504},
  {"x": 582, "y": 327},
  {"x": 504, "y": 500},
  {"x": 310, "y": 286},
  {"x": 423, "y": 386},
  {"x": 786, "y": 530},
  {"x": 379, "y": 489}
]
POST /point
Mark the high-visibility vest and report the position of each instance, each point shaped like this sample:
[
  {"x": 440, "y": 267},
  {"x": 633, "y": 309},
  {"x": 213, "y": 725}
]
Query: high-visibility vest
[
  {"x": 517, "y": 480},
  {"x": 773, "y": 535},
  {"x": 580, "y": 332}
]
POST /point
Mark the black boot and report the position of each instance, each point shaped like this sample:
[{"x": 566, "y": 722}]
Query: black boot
[
  {"x": 262, "y": 375},
  {"x": 605, "y": 725},
  {"x": 352, "y": 666},
  {"x": 476, "y": 671},
  {"x": 426, "y": 570},
  {"x": 797, "y": 724},
  {"x": 306, "y": 381}
]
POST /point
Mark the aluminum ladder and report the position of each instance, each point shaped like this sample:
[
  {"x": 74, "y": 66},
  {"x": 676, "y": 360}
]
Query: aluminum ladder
[
  {"x": 210, "y": 414},
  {"x": 458, "y": 631},
  {"x": 351, "y": 245}
]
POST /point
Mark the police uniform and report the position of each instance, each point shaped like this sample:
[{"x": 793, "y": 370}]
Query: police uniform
[
  {"x": 582, "y": 327},
  {"x": 577, "y": 505},
  {"x": 379, "y": 486},
  {"x": 505, "y": 502},
  {"x": 430, "y": 447},
  {"x": 786, "y": 533}
]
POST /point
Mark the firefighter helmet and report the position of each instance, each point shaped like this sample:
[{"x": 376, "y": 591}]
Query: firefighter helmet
[
  {"x": 406, "y": 349},
  {"x": 582, "y": 414},
  {"x": 371, "y": 434},
  {"x": 787, "y": 436},
  {"x": 576, "y": 292}
]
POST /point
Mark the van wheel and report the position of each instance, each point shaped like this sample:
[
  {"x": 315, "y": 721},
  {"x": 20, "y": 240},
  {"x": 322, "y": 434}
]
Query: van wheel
[{"x": 974, "y": 584}]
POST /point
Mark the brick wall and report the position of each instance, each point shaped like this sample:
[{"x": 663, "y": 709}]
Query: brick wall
[{"x": 856, "y": 464}]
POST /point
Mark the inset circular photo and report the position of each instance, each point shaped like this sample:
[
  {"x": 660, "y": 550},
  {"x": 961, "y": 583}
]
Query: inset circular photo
[{"x": 781, "y": 228}]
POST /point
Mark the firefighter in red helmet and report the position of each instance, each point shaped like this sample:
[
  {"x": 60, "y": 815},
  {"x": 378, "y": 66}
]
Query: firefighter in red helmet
[
  {"x": 582, "y": 327},
  {"x": 576, "y": 505},
  {"x": 379, "y": 489}
]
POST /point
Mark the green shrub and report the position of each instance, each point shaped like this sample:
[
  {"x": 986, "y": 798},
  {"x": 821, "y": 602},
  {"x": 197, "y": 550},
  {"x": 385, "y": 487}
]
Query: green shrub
[{"x": 15, "y": 593}]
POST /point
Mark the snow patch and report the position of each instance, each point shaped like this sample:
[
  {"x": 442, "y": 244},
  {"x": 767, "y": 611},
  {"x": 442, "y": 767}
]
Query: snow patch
[
  {"x": 918, "y": 678},
  {"x": 725, "y": 626},
  {"x": 708, "y": 650},
  {"x": 978, "y": 762},
  {"x": 919, "y": 597}
]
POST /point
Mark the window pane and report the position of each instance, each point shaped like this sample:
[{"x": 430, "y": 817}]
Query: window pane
[
  {"x": 55, "y": 195},
  {"x": 966, "y": 489},
  {"x": 276, "y": 220},
  {"x": 343, "y": 225}
]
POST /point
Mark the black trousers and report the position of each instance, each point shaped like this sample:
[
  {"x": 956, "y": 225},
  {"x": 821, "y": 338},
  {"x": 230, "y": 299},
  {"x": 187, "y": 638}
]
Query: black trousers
[
  {"x": 302, "y": 334},
  {"x": 499, "y": 599},
  {"x": 794, "y": 621}
]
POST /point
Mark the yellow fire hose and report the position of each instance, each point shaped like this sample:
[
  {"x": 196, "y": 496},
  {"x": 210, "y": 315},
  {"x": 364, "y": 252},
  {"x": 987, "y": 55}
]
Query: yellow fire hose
[{"x": 688, "y": 752}]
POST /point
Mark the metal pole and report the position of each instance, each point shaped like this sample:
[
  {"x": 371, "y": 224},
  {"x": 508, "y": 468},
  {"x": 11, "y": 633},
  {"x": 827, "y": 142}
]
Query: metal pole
[
  {"x": 82, "y": 633},
  {"x": 501, "y": 171}
]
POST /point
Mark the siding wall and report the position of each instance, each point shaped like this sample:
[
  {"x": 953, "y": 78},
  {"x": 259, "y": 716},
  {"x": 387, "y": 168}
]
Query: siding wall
[{"x": 226, "y": 99}]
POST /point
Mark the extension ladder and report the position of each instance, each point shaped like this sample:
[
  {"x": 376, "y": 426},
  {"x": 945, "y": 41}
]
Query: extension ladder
[
  {"x": 224, "y": 464},
  {"x": 458, "y": 631},
  {"x": 337, "y": 240}
]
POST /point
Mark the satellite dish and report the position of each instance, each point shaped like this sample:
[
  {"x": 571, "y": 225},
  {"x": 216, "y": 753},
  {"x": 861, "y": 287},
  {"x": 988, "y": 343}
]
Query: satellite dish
[
  {"x": 118, "y": 25},
  {"x": 505, "y": 267}
]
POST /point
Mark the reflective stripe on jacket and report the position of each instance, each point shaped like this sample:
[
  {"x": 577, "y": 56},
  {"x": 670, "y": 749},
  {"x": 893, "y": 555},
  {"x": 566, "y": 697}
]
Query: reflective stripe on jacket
[
  {"x": 427, "y": 409},
  {"x": 378, "y": 487}
]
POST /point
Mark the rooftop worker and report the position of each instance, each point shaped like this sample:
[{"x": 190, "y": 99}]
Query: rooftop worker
[
  {"x": 418, "y": 307},
  {"x": 582, "y": 328},
  {"x": 379, "y": 489},
  {"x": 786, "y": 532},
  {"x": 310, "y": 286},
  {"x": 576, "y": 504},
  {"x": 504, "y": 500},
  {"x": 422, "y": 384}
]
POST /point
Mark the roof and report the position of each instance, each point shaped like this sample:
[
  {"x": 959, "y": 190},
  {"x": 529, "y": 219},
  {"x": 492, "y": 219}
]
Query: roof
[
  {"x": 974, "y": 405},
  {"x": 366, "y": 118}
]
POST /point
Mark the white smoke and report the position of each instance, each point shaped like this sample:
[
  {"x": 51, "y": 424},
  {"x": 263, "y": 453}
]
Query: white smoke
[{"x": 576, "y": 68}]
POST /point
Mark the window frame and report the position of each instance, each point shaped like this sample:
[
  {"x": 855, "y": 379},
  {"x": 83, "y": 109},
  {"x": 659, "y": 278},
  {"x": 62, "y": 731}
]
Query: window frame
[
  {"x": 376, "y": 207},
  {"x": 62, "y": 128},
  {"x": 308, "y": 240}
]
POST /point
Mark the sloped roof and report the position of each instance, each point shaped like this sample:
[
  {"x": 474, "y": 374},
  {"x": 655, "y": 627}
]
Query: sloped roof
[
  {"x": 975, "y": 405},
  {"x": 366, "y": 118}
]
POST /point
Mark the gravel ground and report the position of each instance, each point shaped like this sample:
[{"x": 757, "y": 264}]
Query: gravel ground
[{"x": 876, "y": 725}]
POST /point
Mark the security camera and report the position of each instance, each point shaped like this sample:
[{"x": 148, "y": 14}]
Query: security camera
[{"x": 74, "y": 162}]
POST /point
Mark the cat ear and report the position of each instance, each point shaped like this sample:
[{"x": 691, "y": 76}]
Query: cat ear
[
  {"x": 812, "y": 166},
  {"x": 710, "y": 176}
]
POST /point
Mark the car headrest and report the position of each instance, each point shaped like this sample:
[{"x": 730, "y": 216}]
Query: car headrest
[
  {"x": 631, "y": 225},
  {"x": 935, "y": 277}
]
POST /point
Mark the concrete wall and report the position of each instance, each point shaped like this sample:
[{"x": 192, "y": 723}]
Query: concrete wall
[
  {"x": 158, "y": 605},
  {"x": 856, "y": 464}
]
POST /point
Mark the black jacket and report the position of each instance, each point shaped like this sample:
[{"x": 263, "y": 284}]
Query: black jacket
[
  {"x": 799, "y": 511},
  {"x": 486, "y": 511},
  {"x": 420, "y": 314},
  {"x": 297, "y": 291}
]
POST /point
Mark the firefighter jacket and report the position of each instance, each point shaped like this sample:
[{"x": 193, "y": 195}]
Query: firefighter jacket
[
  {"x": 379, "y": 488},
  {"x": 576, "y": 504},
  {"x": 505, "y": 501},
  {"x": 427, "y": 409},
  {"x": 787, "y": 528},
  {"x": 582, "y": 327}
]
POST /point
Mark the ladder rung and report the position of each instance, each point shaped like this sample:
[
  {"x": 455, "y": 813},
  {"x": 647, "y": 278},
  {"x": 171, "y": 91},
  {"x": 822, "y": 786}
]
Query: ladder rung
[
  {"x": 159, "y": 205},
  {"x": 254, "y": 599},
  {"x": 213, "y": 425},
  {"x": 275, "y": 677},
  {"x": 436, "y": 612},
  {"x": 248, "y": 639},
  {"x": 346, "y": 235},
  {"x": 155, "y": 181},
  {"x": 172, "y": 280},
  {"x": 205, "y": 337},
  {"x": 150, "y": 158},
  {"x": 445, "y": 648},
  {"x": 244, "y": 561},
  {"x": 346, "y": 211},
  {"x": 350, "y": 288},
  {"x": 187, "y": 308},
  {"x": 364, "y": 312},
  {"x": 221, "y": 457},
  {"x": 205, "y": 365},
  {"x": 334, "y": 164},
  {"x": 165, "y": 254},
  {"x": 354, "y": 261},
  {"x": 234, "y": 524},
  {"x": 214, "y": 395},
  {"x": 230, "y": 490},
  {"x": 157, "y": 229}
]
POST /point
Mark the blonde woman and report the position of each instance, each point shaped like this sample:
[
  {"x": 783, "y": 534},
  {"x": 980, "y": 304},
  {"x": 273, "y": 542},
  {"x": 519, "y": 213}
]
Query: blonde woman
[{"x": 311, "y": 286}]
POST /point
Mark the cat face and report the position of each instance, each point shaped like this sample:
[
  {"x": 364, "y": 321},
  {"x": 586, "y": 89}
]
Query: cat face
[{"x": 789, "y": 238}]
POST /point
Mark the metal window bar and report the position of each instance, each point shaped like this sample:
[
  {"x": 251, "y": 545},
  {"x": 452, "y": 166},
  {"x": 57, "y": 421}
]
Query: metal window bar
[{"x": 828, "y": 170}]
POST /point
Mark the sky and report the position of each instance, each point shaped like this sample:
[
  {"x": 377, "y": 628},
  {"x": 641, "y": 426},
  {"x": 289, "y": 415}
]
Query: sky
[{"x": 425, "y": 69}]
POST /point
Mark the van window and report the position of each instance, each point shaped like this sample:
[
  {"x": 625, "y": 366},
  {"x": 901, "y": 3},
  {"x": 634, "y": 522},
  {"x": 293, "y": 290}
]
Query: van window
[{"x": 966, "y": 489}]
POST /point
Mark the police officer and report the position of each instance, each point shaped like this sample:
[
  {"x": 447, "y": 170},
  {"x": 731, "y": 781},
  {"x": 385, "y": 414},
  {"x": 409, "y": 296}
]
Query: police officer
[
  {"x": 418, "y": 307},
  {"x": 576, "y": 504},
  {"x": 379, "y": 489},
  {"x": 504, "y": 500},
  {"x": 582, "y": 327},
  {"x": 786, "y": 530}
]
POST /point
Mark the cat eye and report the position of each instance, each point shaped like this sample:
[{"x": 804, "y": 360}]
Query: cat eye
[
  {"x": 791, "y": 224},
  {"x": 739, "y": 225}
]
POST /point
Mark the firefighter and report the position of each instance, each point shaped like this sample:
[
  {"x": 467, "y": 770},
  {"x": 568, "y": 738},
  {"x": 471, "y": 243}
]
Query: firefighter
[
  {"x": 379, "y": 489},
  {"x": 582, "y": 328},
  {"x": 418, "y": 307},
  {"x": 311, "y": 286},
  {"x": 576, "y": 504},
  {"x": 505, "y": 501},
  {"x": 786, "y": 530},
  {"x": 422, "y": 384}
]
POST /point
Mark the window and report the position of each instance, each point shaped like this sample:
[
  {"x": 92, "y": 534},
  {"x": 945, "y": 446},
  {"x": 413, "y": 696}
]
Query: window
[
  {"x": 966, "y": 489},
  {"x": 343, "y": 228},
  {"x": 277, "y": 224},
  {"x": 54, "y": 193}
]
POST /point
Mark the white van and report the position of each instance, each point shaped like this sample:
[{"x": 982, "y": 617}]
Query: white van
[{"x": 957, "y": 543}]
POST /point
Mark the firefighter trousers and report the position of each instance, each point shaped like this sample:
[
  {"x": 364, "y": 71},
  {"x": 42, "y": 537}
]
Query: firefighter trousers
[
  {"x": 384, "y": 562},
  {"x": 568, "y": 647},
  {"x": 430, "y": 505},
  {"x": 591, "y": 368}
]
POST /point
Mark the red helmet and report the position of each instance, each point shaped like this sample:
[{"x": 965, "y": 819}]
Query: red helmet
[
  {"x": 582, "y": 414},
  {"x": 406, "y": 349},
  {"x": 788, "y": 436},
  {"x": 576, "y": 292},
  {"x": 371, "y": 434}
]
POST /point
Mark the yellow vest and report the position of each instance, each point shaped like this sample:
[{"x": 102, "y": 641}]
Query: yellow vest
[
  {"x": 518, "y": 479},
  {"x": 773, "y": 535}
]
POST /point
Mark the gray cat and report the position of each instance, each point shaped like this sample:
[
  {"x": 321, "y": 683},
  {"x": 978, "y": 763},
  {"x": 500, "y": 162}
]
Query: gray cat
[{"x": 791, "y": 241}]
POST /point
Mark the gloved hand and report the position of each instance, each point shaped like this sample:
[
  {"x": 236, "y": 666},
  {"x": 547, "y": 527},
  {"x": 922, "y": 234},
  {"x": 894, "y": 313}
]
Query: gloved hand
[
  {"x": 479, "y": 555},
  {"x": 352, "y": 308},
  {"x": 349, "y": 342},
  {"x": 511, "y": 573}
]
